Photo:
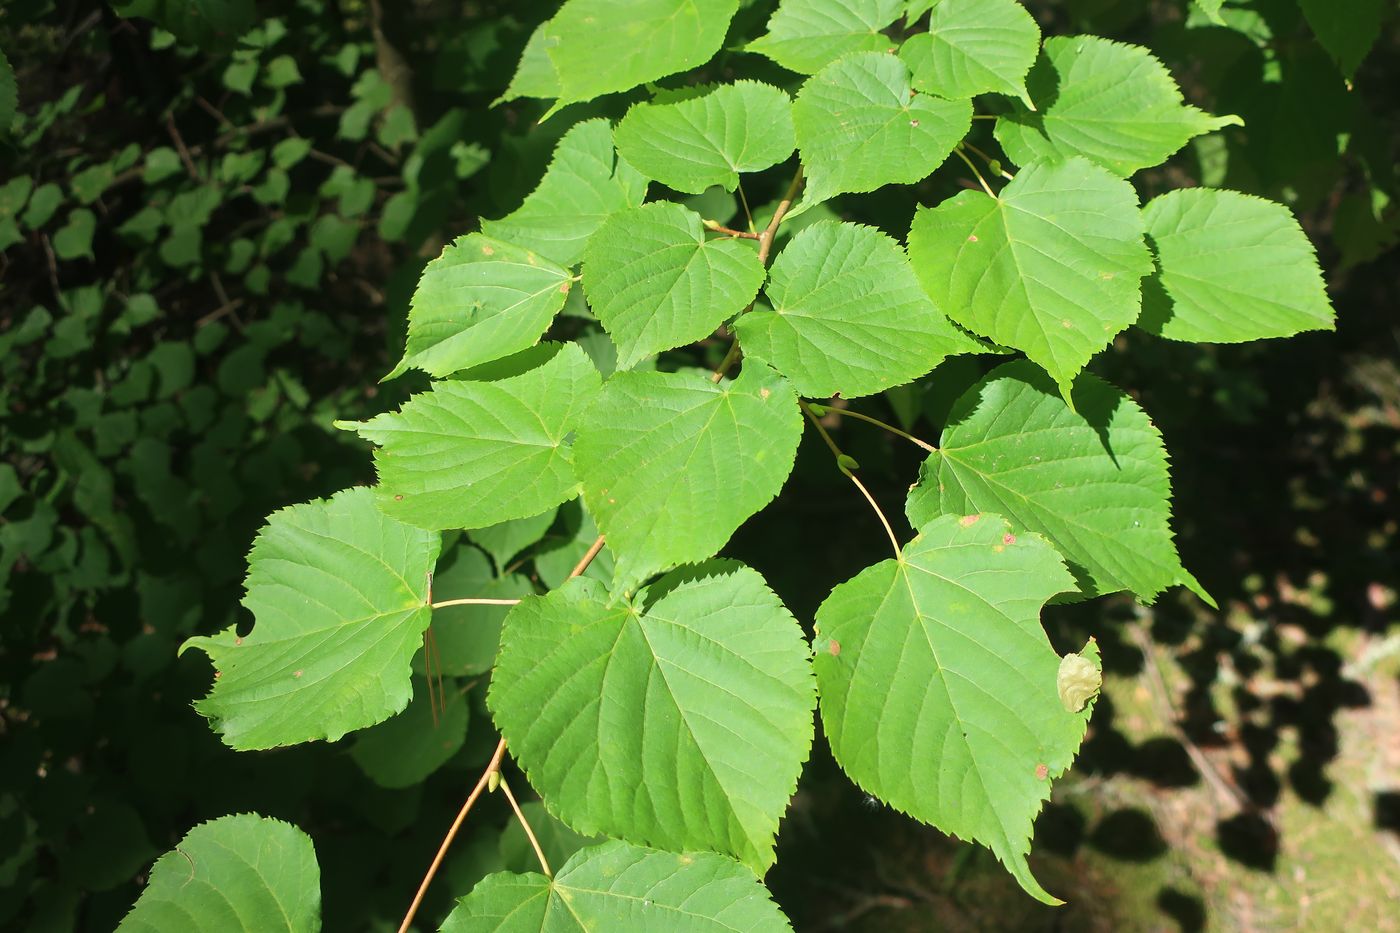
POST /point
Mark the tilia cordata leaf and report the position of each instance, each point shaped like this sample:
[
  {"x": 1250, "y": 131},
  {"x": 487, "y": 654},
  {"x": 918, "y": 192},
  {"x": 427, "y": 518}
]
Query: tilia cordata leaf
[
  {"x": 338, "y": 591},
  {"x": 939, "y": 687}
]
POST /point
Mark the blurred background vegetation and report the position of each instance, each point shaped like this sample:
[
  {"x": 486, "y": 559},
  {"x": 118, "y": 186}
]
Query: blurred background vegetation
[{"x": 212, "y": 216}]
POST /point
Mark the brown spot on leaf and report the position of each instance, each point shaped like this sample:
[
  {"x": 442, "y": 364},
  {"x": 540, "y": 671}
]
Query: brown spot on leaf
[
  {"x": 833, "y": 647},
  {"x": 914, "y": 123},
  {"x": 487, "y": 251},
  {"x": 564, "y": 287},
  {"x": 968, "y": 520},
  {"x": 1008, "y": 538},
  {"x": 972, "y": 238},
  {"x": 1041, "y": 772},
  {"x": 765, "y": 392},
  {"x": 297, "y": 673}
]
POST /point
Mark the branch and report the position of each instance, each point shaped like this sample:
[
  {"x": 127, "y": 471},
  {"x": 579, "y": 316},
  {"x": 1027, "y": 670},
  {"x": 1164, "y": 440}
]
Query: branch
[
  {"x": 588, "y": 556},
  {"x": 493, "y": 767},
  {"x": 718, "y": 227}
]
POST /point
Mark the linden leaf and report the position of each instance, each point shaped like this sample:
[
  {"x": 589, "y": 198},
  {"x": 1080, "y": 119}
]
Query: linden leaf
[
  {"x": 1230, "y": 268},
  {"x": 338, "y": 592},
  {"x": 616, "y": 886},
  {"x": 1092, "y": 479},
  {"x": 680, "y": 719},
  {"x": 673, "y": 463},
  {"x": 938, "y": 684},
  {"x": 860, "y": 127},
  {"x": 584, "y": 185},
  {"x": 243, "y": 872},
  {"x": 708, "y": 140},
  {"x": 848, "y": 315},
  {"x": 1112, "y": 103},
  {"x": 1050, "y": 266},
  {"x": 479, "y": 301},
  {"x": 656, "y": 283},
  {"x": 472, "y": 454},
  {"x": 807, "y": 35},
  {"x": 974, "y": 47}
]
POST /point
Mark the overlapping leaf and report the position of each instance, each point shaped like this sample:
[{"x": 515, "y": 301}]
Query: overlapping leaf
[
  {"x": 404, "y": 750},
  {"x": 480, "y": 300},
  {"x": 806, "y": 35},
  {"x": 1112, "y": 103},
  {"x": 616, "y": 886},
  {"x": 534, "y": 74},
  {"x": 584, "y": 185},
  {"x": 338, "y": 593},
  {"x": 471, "y": 454},
  {"x": 861, "y": 127},
  {"x": 1347, "y": 33},
  {"x": 1230, "y": 268},
  {"x": 1051, "y": 266},
  {"x": 974, "y": 47},
  {"x": 938, "y": 684},
  {"x": 708, "y": 140},
  {"x": 672, "y": 463},
  {"x": 655, "y": 283},
  {"x": 242, "y": 872},
  {"x": 848, "y": 315},
  {"x": 601, "y": 46},
  {"x": 682, "y": 722},
  {"x": 1093, "y": 480}
]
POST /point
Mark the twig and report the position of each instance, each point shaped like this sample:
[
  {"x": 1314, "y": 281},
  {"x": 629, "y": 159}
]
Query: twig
[
  {"x": 729, "y": 231},
  {"x": 989, "y": 160},
  {"x": 587, "y": 559},
  {"x": 491, "y": 768},
  {"x": 180, "y": 147},
  {"x": 765, "y": 247},
  {"x": 529, "y": 833},
  {"x": 53, "y": 271}
]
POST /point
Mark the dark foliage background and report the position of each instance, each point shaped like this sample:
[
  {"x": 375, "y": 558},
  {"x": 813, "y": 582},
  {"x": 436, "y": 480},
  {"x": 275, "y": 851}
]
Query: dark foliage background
[{"x": 207, "y": 246}]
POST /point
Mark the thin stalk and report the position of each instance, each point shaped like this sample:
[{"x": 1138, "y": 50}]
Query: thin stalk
[
  {"x": 717, "y": 227},
  {"x": 744, "y": 200},
  {"x": 888, "y": 427},
  {"x": 529, "y": 833},
  {"x": 491, "y": 768},
  {"x": 475, "y": 601},
  {"x": 846, "y": 464},
  {"x": 980, "y": 180}
]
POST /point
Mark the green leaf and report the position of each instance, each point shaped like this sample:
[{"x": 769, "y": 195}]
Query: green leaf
[
  {"x": 9, "y": 95},
  {"x": 465, "y": 638},
  {"x": 807, "y": 35},
  {"x": 938, "y": 684},
  {"x": 74, "y": 239},
  {"x": 585, "y": 183},
  {"x": 655, "y": 283},
  {"x": 479, "y": 301},
  {"x": 1093, "y": 480},
  {"x": 848, "y": 315},
  {"x": 1051, "y": 266},
  {"x": 708, "y": 140},
  {"x": 619, "y": 887},
  {"x": 860, "y": 127},
  {"x": 243, "y": 872},
  {"x": 601, "y": 46},
  {"x": 404, "y": 750},
  {"x": 472, "y": 454},
  {"x": 209, "y": 24},
  {"x": 534, "y": 75},
  {"x": 338, "y": 593},
  {"x": 1112, "y": 103},
  {"x": 1211, "y": 8},
  {"x": 1231, "y": 268},
  {"x": 508, "y": 539},
  {"x": 974, "y": 47},
  {"x": 672, "y": 463},
  {"x": 679, "y": 720},
  {"x": 1349, "y": 32}
]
